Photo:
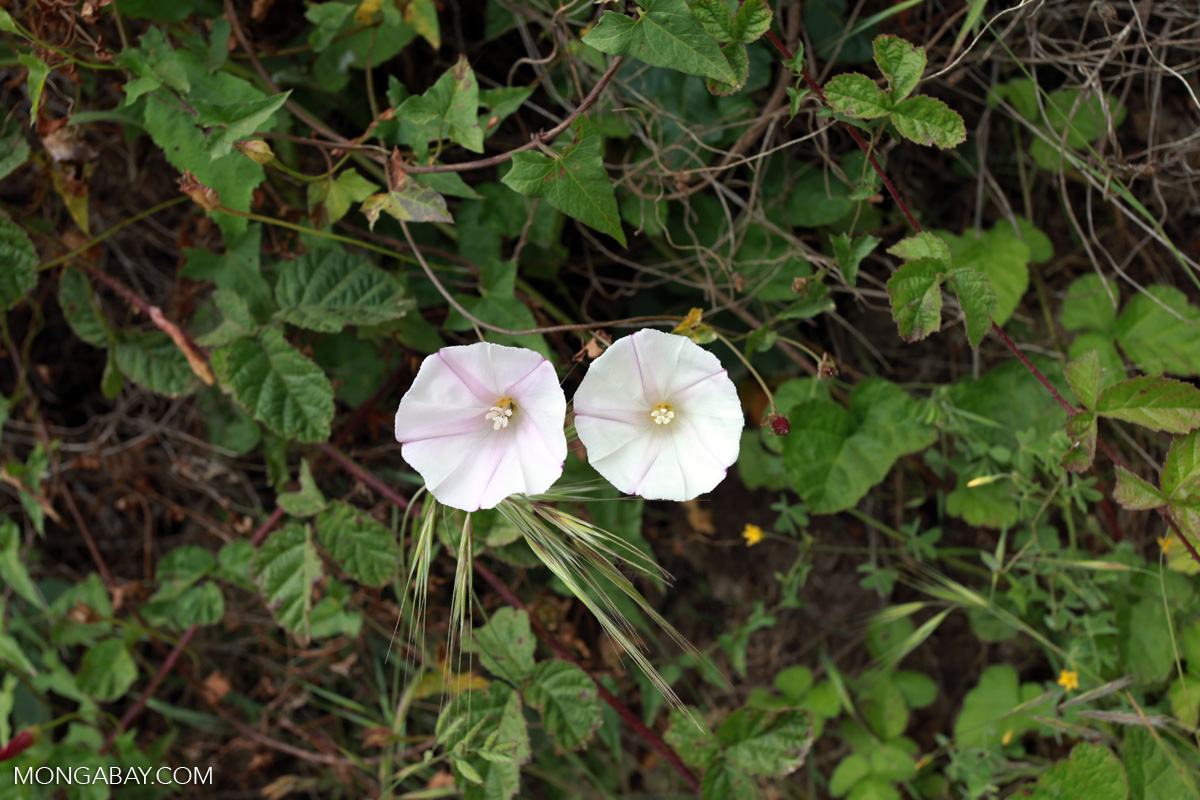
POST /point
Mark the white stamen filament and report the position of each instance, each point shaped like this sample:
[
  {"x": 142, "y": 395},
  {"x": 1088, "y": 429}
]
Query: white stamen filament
[
  {"x": 498, "y": 417},
  {"x": 662, "y": 415}
]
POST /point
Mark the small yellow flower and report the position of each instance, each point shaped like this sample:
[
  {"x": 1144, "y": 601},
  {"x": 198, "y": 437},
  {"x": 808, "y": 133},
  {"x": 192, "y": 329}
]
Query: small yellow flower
[
  {"x": 1165, "y": 544},
  {"x": 752, "y": 534},
  {"x": 1068, "y": 680}
]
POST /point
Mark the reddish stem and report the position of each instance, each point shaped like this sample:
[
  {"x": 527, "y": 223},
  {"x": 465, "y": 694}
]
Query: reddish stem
[{"x": 622, "y": 710}]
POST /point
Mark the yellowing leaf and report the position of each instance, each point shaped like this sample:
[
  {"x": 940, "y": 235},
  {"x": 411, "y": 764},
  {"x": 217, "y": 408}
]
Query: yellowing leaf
[{"x": 365, "y": 13}]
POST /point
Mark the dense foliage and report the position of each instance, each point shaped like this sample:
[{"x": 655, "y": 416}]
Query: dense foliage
[{"x": 943, "y": 252}]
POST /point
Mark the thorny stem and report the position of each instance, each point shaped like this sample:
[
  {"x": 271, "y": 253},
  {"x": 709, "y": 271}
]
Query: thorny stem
[
  {"x": 622, "y": 710},
  {"x": 1004, "y": 337}
]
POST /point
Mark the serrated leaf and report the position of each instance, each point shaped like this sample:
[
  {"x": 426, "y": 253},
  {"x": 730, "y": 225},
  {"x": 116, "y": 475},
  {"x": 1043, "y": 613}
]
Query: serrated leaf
[
  {"x": 237, "y": 320},
  {"x": 200, "y": 605},
  {"x": 1160, "y": 331},
  {"x": 857, "y": 96},
  {"x": 715, "y": 17},
  {"x": 1083, "y": 375},
  {"x": 1181, "y": 471},
  {"x": 567, "y": 698},
  {"x": 901, "y": 63},
  {"x": 325, "y": 290},
  {"x": 152, "y": 360},
  {"x": 850, "y": 253},
  {"x": 505, "y": 645},
  {"x": 923, "y": 245},
  {"x": 773, "y": 744},
  {"x": 363, "y": 547},
  {"x": 753, "y": 19},
  {"x": 1092, "y": 771},
  {"x": 19, "y": 258},
  {"x": 278, "y": 385},
  {"x": 916, "y": 295},
  {"x": 1081, "y": 431},
  {"x": 1089, "y": 306},
  {"x": 305, "y": 501},
  {"x": 503, "y": 726},
  {"x": 76, "y": 298},
  {"x": 929, "y": 121},
  {"x": 663, "y": 34},
  {"x": 978, "y": 301},
  {"x": 835, "y": 455},
  {"x": 413, "y": 203},
  {"x": 454, "y": 99},
  {"x": 107, "y": 671},
  {"x": 1000, "y": 255},
  {"x": 1133, "y": 492},
  {"x": 1154, "y": 402},
  {"x": 694, "y": 743},
  {"x": 285, "y": 570},
  {"x": 739, "y": 63},
  {"x": 574, "y": 181}
]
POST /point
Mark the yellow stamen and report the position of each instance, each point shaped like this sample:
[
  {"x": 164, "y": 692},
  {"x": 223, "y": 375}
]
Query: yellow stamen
[{"x": 500, "y": 414}]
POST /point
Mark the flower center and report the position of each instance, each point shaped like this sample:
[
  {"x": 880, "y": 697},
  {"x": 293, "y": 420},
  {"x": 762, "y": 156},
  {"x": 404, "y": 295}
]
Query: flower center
[
  {"x": 662, "y": 414},
  {"x": 501, "y": 413}
]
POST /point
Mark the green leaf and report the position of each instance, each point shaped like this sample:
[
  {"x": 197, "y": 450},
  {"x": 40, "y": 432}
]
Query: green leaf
[
  {"x": 505, "y": 645},
  {"x": 1083, "y": 375},
  {"x": 494, "y": 713},
  {"x": 752, "y": 21},
  {"x": 1152, "y": 775},
  {"x": 923, "y": 245},
  {"x": 916, "y": 295},
  {"x": 725, "y": 781},
  {"x": 325, "y": 290},
  {"x": 238, "y": 271},
  {"x": 200, "y": 605},
  {"x": 76, "y": 298},
  {"x": 154, "y": 64},
  {"x": 410, "y": 203},
  {"x": 773, "y": 744},
  {"x": 857, "y": 96},
  {"x": 849, "y": 771},
  {"x": 1160, "y": 331},
  {"x": 107, "y": 671},
  {"x": 929, "y": 121},
  {"x": 739, "y": 63},
  {"x": 11, "y": 653},
  {"x": 1081, "y": 430},
  {"x": 8, "y": 24},
  {"x": 850, "y": 253},
  {"x": 1184, "y": 696},
  {"x": 883, "y": 708},
  {"x": 1000, "y": 255},
  {"x": 422, "y": 15},
  {"x": 817, "y": 301},
  {"x": 14, "y": 152},
  {"x": 691, "y": 739},
  {"x": 574, "y": 180},
  {"x": 1144, "y": 639},
  {"x": 336, "y": 196},
  {"x": 235, "y": 561},
  {"x": 989, "y": 711},
  {"x": 363, "y": 547},
  {"x": 1181, "y": 471},
  {"x": 568, "y": 700},
  {"x": 38, "y": 72},
  {"x": 20, "y": 263},
  {"x": 498, "y": 305},
  {"x": 835, "y": 455},
  {"x": 901, "y": 63},
  {"x": 663, "y": 34},
  {"x": 1154, "y": 402},
  {"x": 715, "y": 17},
  {"x": 978, "y": 301},
  {"x": 918, "y": 689},
  {"x": 285, "y": 570},
  {"x": 237, "y": 320},
  {"x": 278, "y": 385},
  {"x": 151, "y": 359},
  {"x": 13, "y": 571},
  {"x": 453, "y": 101},
  {"x": 1092, "y": 772},
  {"x": 1088, "y": 306},
  {"x": 305, "y": 501}
]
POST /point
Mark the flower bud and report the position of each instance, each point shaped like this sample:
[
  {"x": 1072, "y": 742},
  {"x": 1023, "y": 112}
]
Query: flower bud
[
  {"x": 778, "y": 424},
  {"x": 21, "y": 742},
  {"x": 826, "y": 368},
  {"x": 203, "y": 196},
  {"x": 256, "y": 150},
  {"x": 800, "y": 286}
]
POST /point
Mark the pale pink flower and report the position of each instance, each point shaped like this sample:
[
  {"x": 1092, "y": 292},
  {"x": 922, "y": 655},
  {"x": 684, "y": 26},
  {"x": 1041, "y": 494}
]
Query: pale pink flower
[
  {"x": 482, "y": 422},
  {"x": 659, "y": 416}
]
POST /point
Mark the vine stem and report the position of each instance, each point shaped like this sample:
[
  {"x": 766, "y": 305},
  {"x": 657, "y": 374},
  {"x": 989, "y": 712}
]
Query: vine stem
[
  {"x": 651, "y": 738},
  {"x": 1004, "y": 337}
]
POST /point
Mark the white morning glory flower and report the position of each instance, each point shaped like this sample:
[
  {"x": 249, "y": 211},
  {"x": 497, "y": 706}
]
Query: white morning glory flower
[
  {"x": 482, "y": 422},
  {"x": 659, "y": 416}
]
